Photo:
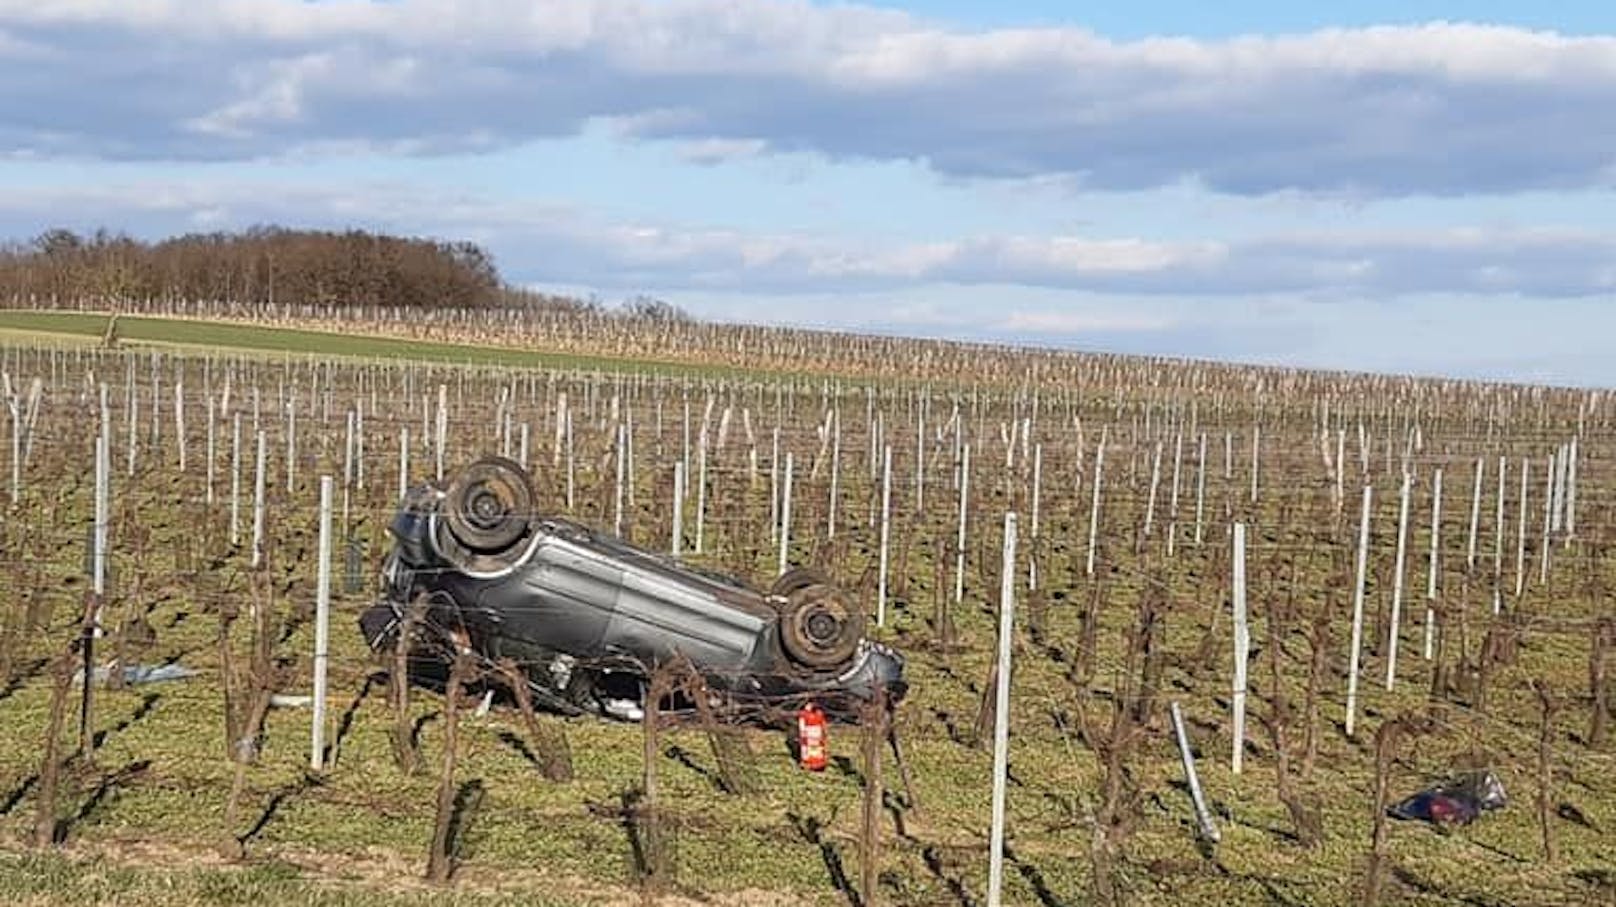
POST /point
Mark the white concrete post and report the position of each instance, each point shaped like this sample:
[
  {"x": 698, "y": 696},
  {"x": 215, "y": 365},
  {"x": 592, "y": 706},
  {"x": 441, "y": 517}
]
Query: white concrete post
[
  {"x": 258, "y": 502},
  {"x": 1242, "y": 649},
  {"x": 1094, "y": 508},
  {"x": 959, "y": 545},
  {"x": 322, "y": 630},
  {"x": 678, "y": 507},
  {"x": 1397, "y": 583},
  {"x": 1001, "y": 713},
  {"x": 1436, "y": 563},
  {"x": 235, "y": 479},
  {"x": 785, "y": 513},
  {"x": 886, "y": 535},
  {"x": 1356, "y": 651}
]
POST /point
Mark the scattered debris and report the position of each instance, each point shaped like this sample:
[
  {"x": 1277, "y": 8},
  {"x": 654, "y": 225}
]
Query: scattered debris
[
  {"x": 1456, "y": 801},
  {"x": 134, "y": 675},
  {"x": 289, "y": 701},
  {"x": 1203, "y": 819}
]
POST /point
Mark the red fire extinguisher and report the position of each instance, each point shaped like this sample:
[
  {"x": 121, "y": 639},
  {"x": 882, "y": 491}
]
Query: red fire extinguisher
[{"x": 813, "y": 741}]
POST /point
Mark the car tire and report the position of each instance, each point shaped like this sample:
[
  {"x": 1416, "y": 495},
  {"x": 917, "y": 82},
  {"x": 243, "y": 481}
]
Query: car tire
[
  {"x": 819, "y": 627},
  {"x": 798, "y": 578},
  {"x": 489, "y": 506}
]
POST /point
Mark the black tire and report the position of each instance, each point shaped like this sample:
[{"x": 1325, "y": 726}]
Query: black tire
[
  {"x": 798, "y": 578},
  {"x": 819, "y": 627},
  {"x": 489, "y": 506}
]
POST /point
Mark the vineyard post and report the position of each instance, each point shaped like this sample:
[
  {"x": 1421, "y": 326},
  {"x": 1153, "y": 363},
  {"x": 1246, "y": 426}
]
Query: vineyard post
[
  {"x": 1242, "y": 649},
  {"x": 1155, "y": 480},
  {"x": 98, "y": 575},
  {"x": 920, "y": 459},
  {"x": 617, "y": 495},
  {"x": 359, "y": 443},
  {"x": 1355, "y": 653},
  {"x": 348, "y": 460},
  {"x": 179, "y": 420},
  {"x": 1548, "y": 518},
  {"x": 886, "y": 536},
  {"x": 1571, "y": 494},
  {"x": 677, "y": 541},
  {"x": 13, "y": 405},
  {"x": 1172, "y": 508},
  {"x": 1557, "y": 487},
  {"x": 1475, "y": 516},
  {"x": 1520, "y": 541},
  {"x": 235, "y": 480},
  {"x": 103, "y": 482},
  {"x": 1340, "y": 470},
  {"x": 964, "y": 499},
  {"x": 1037, "y": 482},
  {"x": 751, "y": 447},
  {"x": 785, "y": 512},
  {"x": 1498, "y": 522},
  {"x": 1200, "y": 492},
  {"x": 502, "y": 425},
  {"x": 684, "y": 444},
  {"x": 156, "y": 408},
  {"x": 1203, "y": 817},
  {"x": 1256, "y": 451},
  {"x": 571, "y": 476},
  {"x": 1001, "y": 712},
  {"x": 212, "y": 451},
  {"x": 322, "y": 629},
  {"x": 1436, "y": 565},
  {"x": 1094, "y": 508},
  {"x": 258, "y": 502},
  {"x": 561, "y": 429},
  {"x": 134, "y": 420},
  {"x": 701, "y": 492},
  {"x": 1397, "y": 582},
  {"x": 774, "y": 487},
  {"x": 835, "y": 475},
  {"x": 403, "y": 461},
  {"x": 441, "y": 431},
  {"x": 291, "y": 442}
]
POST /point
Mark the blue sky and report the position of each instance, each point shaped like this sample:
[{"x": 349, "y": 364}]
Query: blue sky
[{"x": 1412, "y": 187}]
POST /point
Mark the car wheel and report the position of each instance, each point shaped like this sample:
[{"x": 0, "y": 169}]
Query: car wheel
[
  {"x": 819, "y": 627},
  {"x": 489, "y": 505},
  {"x": 798, "y": 578}
]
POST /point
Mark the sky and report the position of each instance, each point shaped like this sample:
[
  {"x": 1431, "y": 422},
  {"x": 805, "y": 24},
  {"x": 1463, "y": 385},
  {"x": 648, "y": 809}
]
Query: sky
[{"x": 1419, "y": 187}]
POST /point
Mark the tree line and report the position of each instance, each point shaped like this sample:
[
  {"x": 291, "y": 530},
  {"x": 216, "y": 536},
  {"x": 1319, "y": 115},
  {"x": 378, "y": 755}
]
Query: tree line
[{"x": 271, "y": 265}]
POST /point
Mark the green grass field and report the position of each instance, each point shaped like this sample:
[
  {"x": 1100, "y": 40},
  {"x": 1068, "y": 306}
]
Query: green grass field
[{"x": 137, "y": 331}]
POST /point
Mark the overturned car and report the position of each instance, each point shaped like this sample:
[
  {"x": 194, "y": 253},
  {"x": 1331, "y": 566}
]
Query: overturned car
[{"x": 588, "y": 617}]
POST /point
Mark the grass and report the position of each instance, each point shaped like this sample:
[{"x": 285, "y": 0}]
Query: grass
[
  {"x": 136, "y": 330},
  {"x": 135, "y": 874}
]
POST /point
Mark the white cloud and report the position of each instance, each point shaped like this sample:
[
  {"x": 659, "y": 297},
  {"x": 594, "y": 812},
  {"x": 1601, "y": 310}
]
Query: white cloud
[{"x": 1440, "y": 109}]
